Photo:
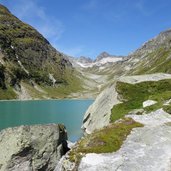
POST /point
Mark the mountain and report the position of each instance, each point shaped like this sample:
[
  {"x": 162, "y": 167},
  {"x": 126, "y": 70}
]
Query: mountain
[
  {"x": 102, "y": 55},
  {"x": 96, "y": 74},
  {"x": 27, "y": 59},
  {"x": 101, "y": 60},
  {"x": 30, "y": 68},
  {"x": 107, "y": 55},
  {"x": 83, "y": 59}
]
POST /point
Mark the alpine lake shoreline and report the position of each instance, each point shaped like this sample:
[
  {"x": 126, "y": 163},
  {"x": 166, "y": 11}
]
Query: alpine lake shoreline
[{"x": 49, "y": 100}]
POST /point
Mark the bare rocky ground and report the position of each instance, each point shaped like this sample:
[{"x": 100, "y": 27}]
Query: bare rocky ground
[
  {"x": 142, "y": 78},
  {"x": 145, "y": 149},
  {"x": 23, "y": 94}
]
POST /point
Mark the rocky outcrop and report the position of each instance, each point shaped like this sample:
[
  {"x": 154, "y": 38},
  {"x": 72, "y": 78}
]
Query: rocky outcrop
[
  {"x": 65, "y": 164},
  {"x": 149, "y": 103},
  {"x": 98, "y": 114},
  {"x": 32, "y": 148},
  {"x": 142, "y": 78},
  {"x": 146, "y": 148}
]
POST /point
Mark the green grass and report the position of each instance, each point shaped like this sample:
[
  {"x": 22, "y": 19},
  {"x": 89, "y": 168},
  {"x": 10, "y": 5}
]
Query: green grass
[
  {"x": 133, "y": 96},
  {"x": 73, "y": 85},
  {"x": 7, "y": 94},
  {"x": 167, "y": 108},
  {"x": 35, "y": 94},
  {"x": 108, "y": 139},
  {"x": 62, "y": 90}
]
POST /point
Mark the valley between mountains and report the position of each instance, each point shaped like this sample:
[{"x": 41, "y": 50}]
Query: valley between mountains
[
  {"x": 127, "y": 128},
  {"x": 32, "y": 69}
]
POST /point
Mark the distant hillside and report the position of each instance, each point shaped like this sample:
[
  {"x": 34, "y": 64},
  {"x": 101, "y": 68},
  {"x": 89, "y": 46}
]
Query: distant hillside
[{"x": 154, "y": 56}]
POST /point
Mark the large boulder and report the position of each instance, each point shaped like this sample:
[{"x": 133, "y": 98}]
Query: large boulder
[
  {"x": 98, "y": 114},
  {"x": 32, "y": 148}
]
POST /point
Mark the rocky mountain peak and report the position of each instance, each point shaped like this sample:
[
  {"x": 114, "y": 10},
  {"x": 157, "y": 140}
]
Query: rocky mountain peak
[
  {"x": 102, "y": 55},
  {"x": 84, "y": 59},
  {"x": 166, "y": 33}
]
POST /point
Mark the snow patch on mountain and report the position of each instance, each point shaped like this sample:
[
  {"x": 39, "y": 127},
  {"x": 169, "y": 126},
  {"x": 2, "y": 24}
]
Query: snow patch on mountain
[{"x": 100, "y": 62}]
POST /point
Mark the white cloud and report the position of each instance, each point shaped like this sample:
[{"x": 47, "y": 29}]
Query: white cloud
[{"x": 35, "y": 15}]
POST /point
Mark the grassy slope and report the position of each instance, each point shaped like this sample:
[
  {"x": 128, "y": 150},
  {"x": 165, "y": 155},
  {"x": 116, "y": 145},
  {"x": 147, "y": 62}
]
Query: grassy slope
[
  {"x": 133, "y": 96},
  {"x": 108, "y": 139},
  {"x": 73, "y": 85},
  {"x": 7, "y": 94},
  {"x": 59, "y": 91},
  {"x": 157, "y": 61}
]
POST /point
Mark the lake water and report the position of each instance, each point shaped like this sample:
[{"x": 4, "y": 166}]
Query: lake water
[{"x": 68, "y": 112}]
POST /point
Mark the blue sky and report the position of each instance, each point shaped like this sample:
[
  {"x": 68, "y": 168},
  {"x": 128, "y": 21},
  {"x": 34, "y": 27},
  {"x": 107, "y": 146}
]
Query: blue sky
[{"x": 88, "y": 27}]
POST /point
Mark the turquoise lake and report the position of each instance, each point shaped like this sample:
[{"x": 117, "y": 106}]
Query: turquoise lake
[{"x": 68, "y": 112}]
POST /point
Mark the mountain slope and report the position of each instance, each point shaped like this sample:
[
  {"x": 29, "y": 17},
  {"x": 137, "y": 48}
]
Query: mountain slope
[
  {"x": 25, "y": 55},
  {"x": 154, "y": 56}
]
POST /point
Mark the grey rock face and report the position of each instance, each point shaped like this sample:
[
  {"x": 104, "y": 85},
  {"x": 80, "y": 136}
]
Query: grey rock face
[
  {"x": 102, "y": 55},
  {"x": 84, "y": 59},
  {"x": 32, "y": 148},
  {"x": 143, "y": 78},
  {"x": 65, "y": 164},
  {"x": 146, "y": 149},
  {"x": 98, "y": 114}
]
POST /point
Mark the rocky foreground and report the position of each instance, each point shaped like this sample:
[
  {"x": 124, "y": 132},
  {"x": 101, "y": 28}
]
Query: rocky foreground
[
  {"x": 147, "y": 148},
  {"x": 32, "y": 148}
]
